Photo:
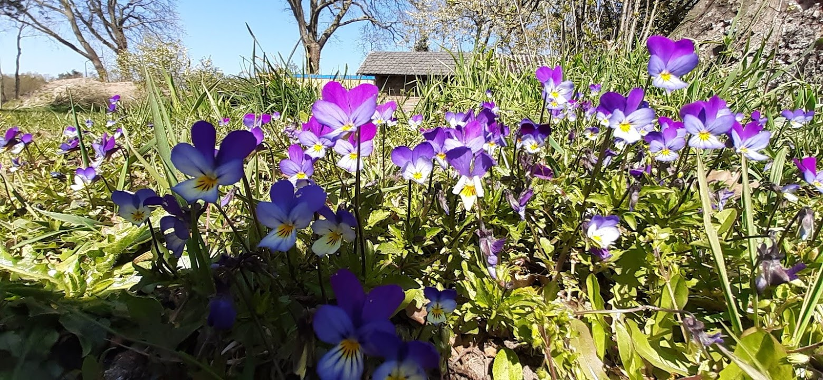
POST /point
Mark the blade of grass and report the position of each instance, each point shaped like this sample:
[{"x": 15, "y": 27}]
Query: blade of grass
[
  {"x": 715, "y": 245},
  {"x": 811, "y": 300},
  {"x": 161, "y": 123},
  {"x": 749, "y": 224}
]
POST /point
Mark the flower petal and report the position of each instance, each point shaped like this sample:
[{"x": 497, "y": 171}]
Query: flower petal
[
  {"x": 349, "y": 292},
  {"x": 191, "y": 161},
  {"x": 382, "y": 302},
  {"x": 332, "y": 324},
  {"x": 190, "y": 191}
]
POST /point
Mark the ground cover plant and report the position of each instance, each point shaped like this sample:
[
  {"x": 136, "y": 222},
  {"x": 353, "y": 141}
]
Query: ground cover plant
[{"x": 625, "y": 215}]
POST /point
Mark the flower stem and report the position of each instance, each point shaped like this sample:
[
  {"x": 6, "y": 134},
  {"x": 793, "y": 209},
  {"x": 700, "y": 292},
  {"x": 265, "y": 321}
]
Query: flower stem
[
  {"x": 161, "y": 261},
  {"x": 320, "y": 280},
  {"x": 359, "y": 241}
]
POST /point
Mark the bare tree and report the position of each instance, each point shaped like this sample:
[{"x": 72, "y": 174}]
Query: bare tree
[
  {"x": 97, "y": 26},
  {"x": 312, "y": 15},
  {"x": 17, "y": 62}
]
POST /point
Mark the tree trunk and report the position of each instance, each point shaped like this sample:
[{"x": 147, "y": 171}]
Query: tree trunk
[
  {"x": 313, "y": 57},
  {"x": 17, "y": 63},
  {"x": 102, "y": 74}
]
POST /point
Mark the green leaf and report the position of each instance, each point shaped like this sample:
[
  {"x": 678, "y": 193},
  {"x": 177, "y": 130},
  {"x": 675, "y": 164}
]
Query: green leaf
[
  {"x": 71, "y": 219},
  {"x": 583, "y": 344},
  {"x": 89, "y": 334},
  {"x": 626, "y": 350},
  {"x": 506, "y": 366},
  {"x": 642, "y": 346},
  {"x": 375, "y": 217},
  {"x": 599, "y": 326},
  {"x": 91, "y": 369},
  {"x": 726, "y": 218},
  {"x": 760, "y": 350},
  {"x": 777, "y": 168},
  {"x": 812, "y": 299}
]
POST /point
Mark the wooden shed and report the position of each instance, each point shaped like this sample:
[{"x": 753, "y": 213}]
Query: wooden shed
[{"x": 398, "y": 72}]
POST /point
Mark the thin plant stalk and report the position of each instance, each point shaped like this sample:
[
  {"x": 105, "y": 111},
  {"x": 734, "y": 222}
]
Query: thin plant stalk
[
  {"x": 359, "y": 241},
  {"x": 746, "y": 196}
]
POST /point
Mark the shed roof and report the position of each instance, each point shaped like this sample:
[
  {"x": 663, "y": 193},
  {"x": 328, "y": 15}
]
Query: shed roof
[
  {"x": 414, "y": 63},
  {"x": 407, "y": 63}
]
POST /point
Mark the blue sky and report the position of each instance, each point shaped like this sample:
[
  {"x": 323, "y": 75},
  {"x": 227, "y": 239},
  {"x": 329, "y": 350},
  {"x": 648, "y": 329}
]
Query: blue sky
[{"x": 211, "y": 28}]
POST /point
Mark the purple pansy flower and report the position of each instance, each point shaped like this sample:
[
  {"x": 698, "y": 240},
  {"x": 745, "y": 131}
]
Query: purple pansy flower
[
  {"x": 335, "y": 228},
  {"x": 347, "y": 148},
  {"x": 404, "y": 360},
  {"x": 222, "y": 313},
  {"x": 720, "y": 197},
  {"x": 251, "y": 120},
  {"x": 557, "y": 92},
  {"x": 9, "y": 138},
  {"x": 471, "y": 168},
  {"x": 175, "y": 227},
  {"x": 288, "y": 212},
  {"x": 69, "y": 146},
  {"x": 441, "y": 303},
  {"x": 384, "y": 114},
  {"x": 437, "y": 138},
  {"x": 490, "y": 248},
  {"x": 210, "y": 168},
  {"x": 298, "y": 165},
  {"x": 416, "y": 121},
  {"x": 103, "y": 148},
  {"x": 591, "y": 133},
  {"x": 415, "y": 164},
  {"x": 131, "y": 205},
  {"x": 696, "y": 329},
  {"x": 495, "y": 137},
  {"x": 664, "y": 145},
  {"x": 748, "y": 140},
  {"x": 113, "y": 103},
  {"x": 812, "y": 175},
  {"x": 470, "y": 135},
  {"x": 798, "y": 118},
  {"x": 705, "y": 121},
  {"x": 770, "y": 270},
  {"x": 312, "y": 138},
  {"x": 224, "y": 122},
  {"x": 22, "y": 142},
  {"x": 602, "y": 231},
  {"x": 669, "y": 61},
  {"x": 345, "y": 111},
  {"x": 519, "y": 204},
  {"x": 83, "y": 177},
  {"x": 352, "y": 326},
  {"x": 627, "y": 115},
  {"x": 458, "y": 119},
  {"x": 541, "y": 172},
  {"x": 594, "y": 89}
]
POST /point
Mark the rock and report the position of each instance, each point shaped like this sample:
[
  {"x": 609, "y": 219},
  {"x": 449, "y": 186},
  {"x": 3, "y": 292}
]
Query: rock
[
  {"x": 795, "y": 25},
  {"x": 85, "y": 92}
]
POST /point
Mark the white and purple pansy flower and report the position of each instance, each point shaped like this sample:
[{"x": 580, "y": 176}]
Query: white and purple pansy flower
[
  {"x": 210, "y": 168},
  {"x": 345, "y": 110},
  {"x": 130, "y": 206},
  {"x": 669, "y": 61},
  {"x": 288, "y": 212},
  {"x": 353, "y": 326},
  {"x": 705, "y": 121}
]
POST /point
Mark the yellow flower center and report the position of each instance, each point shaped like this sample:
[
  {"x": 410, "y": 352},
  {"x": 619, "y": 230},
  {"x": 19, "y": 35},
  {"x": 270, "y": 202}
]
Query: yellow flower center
[
  {"x": 318, "y": 147},
  {"x": 285, "y": 230},
  {"x": 817, "y": 183},
  {"x": 625, "y": 126},
  {"x": 349, "y": 348},
  {"x": 442, "y": 156},
  {"x": 205, "y": 183},
  {"x": 534, "y": 146},
  {"x": 666, "y": 76},
  {"x": 138, "y": 216},
  {"x": 379, "y": 121},
  {"x": 553, "y": 103},
  {"x": 333, "y": 237},
  {"x": 437, "y": 311},
  {"x": 301, "y": 175},
  {"x": 743, "y": 149},
  {"x": 665, "y": 152},
  {"x": 597, "y": 238},
  {"x": 417, "y": 175},
  {"x": 555, "y": 94},
  {"x": 347, "y": 127},
  {"x": 468, "y": 190},
  {"x": 353, "y": 155},
  {"x": 704, "y": 135}
]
